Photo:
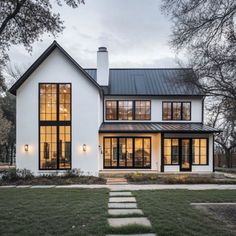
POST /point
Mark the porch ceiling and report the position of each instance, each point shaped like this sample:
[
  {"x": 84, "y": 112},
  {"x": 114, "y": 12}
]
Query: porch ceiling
[{"x": 154, "y": 127}]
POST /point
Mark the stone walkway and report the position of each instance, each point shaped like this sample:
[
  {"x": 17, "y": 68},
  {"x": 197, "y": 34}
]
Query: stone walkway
[{"x": 123, "y": 211}]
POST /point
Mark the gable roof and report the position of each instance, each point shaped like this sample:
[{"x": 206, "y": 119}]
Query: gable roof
[
  {"x": 127, "y": 81},
  {"x": 150, "y": 82},
  {"x": 37, "y": 63}
]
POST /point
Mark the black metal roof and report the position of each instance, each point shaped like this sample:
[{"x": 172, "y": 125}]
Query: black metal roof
[
  {"x": 153, "y": 127},
  {"x": 129, "y": 82},
  {"x": 150, "y": 81}
]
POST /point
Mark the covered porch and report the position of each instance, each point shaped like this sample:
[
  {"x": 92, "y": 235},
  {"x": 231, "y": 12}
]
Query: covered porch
[{"x": 156, "y": 147}]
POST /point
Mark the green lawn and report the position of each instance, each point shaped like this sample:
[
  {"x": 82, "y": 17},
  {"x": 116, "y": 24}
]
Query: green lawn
[
  {"x": 53, "y": 212},
  {"x": 84, "y": 212},
  {"x": 171, "y": 214}
]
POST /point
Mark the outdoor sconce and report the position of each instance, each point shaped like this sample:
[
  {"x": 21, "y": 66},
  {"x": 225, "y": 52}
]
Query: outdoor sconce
[
  {"x": 100, "y": 148},
  {"x": 84, "y": 147},
  {"x": 26, "y": 147}
]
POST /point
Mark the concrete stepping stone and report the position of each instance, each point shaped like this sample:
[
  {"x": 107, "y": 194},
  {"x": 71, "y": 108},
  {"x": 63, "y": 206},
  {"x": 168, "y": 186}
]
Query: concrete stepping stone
[
  {"x": 120, "y": 222},
  {"x": 131, "y": 235},
  {"x": 119, "y": 212},
  {"x": 122, "y": 205},
  {"x": 118, "y": 194},
  {"x": 122, "y": 199}
]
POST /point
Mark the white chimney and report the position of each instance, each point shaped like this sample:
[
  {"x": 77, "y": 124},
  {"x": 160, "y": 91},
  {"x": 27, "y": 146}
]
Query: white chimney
[{"x": 102, "y": 66}]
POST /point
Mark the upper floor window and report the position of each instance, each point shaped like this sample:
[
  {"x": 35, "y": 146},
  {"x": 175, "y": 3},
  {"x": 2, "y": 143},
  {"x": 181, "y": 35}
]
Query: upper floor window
[
  {"x": 125, "y": 110},
  {"x": 176, "y": 111},
  {"x": 111, "y": 110},
  {"x": 128, "y": 110},
  {"x": 142, "y": 110}
]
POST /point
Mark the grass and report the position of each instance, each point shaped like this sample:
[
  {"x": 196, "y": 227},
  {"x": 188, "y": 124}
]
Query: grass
[
  {"x": 84, "y": 212},
  {"x": 226, "y": 170},
  {"x": 130, "y": 229},
  {"x": 53, "y": 212},
  {"x": 171, "y": 214}
]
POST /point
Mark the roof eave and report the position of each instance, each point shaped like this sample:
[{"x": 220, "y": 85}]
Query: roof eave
[{"x": 44, "y": 56}]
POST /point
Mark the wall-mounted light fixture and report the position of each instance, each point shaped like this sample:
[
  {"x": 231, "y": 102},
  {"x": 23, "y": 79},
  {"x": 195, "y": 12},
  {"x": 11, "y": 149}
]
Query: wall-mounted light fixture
[
  {"x": 26, "y": 147},
  {"x": 84, "y": 147},
  {"x": 100, "y": 148}
]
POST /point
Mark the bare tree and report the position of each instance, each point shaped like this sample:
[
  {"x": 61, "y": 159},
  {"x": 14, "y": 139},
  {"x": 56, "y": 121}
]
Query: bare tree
[
  {"x": 206, "y": 29},
  {"x": 24, "y": 22}
]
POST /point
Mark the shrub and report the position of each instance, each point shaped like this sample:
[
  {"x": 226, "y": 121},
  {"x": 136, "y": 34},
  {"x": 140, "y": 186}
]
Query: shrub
[
  {"x": 17, "y": 174},
  {"x": 72, "y": 173}
]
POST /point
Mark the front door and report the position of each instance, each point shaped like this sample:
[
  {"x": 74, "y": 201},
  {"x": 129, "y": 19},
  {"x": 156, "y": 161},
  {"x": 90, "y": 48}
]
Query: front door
[{"x": 185, "y": 157}]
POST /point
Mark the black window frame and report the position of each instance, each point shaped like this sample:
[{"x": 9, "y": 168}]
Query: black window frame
[
  {"x": 207, "y": 152},
  {"x": 172, "y": 164},
  {"x": 180, "y": 150},
  {"x": 181, "y": 111},
  {"x": 133, "y": 154},
  {"x": 106, "y": 114},
  {"x": 56, "y": 123},
  {"x": 133, "y": 109},
  {"x": 119, "y": 108}
]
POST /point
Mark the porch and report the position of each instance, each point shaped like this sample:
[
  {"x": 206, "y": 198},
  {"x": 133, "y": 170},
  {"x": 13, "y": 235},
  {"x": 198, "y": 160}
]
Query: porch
[{"x": 156, "y": 148}]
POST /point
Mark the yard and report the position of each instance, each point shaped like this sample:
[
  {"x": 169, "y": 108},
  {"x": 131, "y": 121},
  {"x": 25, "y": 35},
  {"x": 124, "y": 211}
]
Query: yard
[
  {"x": 84, "y": 211},
  {"x": 53, "y": 212},
  {"x": 171, "y": 214}
]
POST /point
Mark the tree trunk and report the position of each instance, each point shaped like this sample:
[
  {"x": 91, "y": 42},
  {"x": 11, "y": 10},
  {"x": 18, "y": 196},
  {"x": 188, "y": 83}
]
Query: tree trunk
[
  {"x": 11, "y": 155},
  {"x": 227, "y": 156}
]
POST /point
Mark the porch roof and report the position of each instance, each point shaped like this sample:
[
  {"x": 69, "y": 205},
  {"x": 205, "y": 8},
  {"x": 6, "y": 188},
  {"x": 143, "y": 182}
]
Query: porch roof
[{"x": 154, "y": 127}]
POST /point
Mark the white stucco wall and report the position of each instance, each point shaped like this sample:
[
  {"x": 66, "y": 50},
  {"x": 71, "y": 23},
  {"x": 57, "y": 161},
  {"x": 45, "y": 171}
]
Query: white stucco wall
[
  {"x": 86, "y": 115},
  {"x": 156, "y": 108}
]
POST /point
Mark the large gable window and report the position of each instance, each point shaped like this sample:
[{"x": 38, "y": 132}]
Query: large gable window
[
  {"x": 55, "y": 126},
  {"x": 176, "y": 111}
]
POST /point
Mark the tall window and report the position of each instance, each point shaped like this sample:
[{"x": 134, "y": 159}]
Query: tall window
[
  {"x": 176, "y": 111},
  {"x": 199, "y": 151},
  {"x": 128, "y": 110},
  {"x": 55, "y": 126},
  {"x": 127, "y": 152},
  {"x": 171, "y": 151}
]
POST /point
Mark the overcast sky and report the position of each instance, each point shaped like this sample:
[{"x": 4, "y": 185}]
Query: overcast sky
[{"x": 134, "y": 31}]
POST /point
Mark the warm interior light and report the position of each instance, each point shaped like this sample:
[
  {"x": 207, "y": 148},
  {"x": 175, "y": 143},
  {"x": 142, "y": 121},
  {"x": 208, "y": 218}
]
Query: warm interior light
[
  {"x": 84, "y": 147},
  {"x": 26, "y": 147}
]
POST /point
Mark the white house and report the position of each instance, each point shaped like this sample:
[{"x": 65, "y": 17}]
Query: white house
[{"x": 116, "y": 119}]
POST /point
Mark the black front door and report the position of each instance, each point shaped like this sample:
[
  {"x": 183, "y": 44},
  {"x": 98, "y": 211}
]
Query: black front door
[{"x": 185, "y": 157}]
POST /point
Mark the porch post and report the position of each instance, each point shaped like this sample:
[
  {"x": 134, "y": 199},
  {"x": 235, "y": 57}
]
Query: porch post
[{"x": 162, "y": 152}]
